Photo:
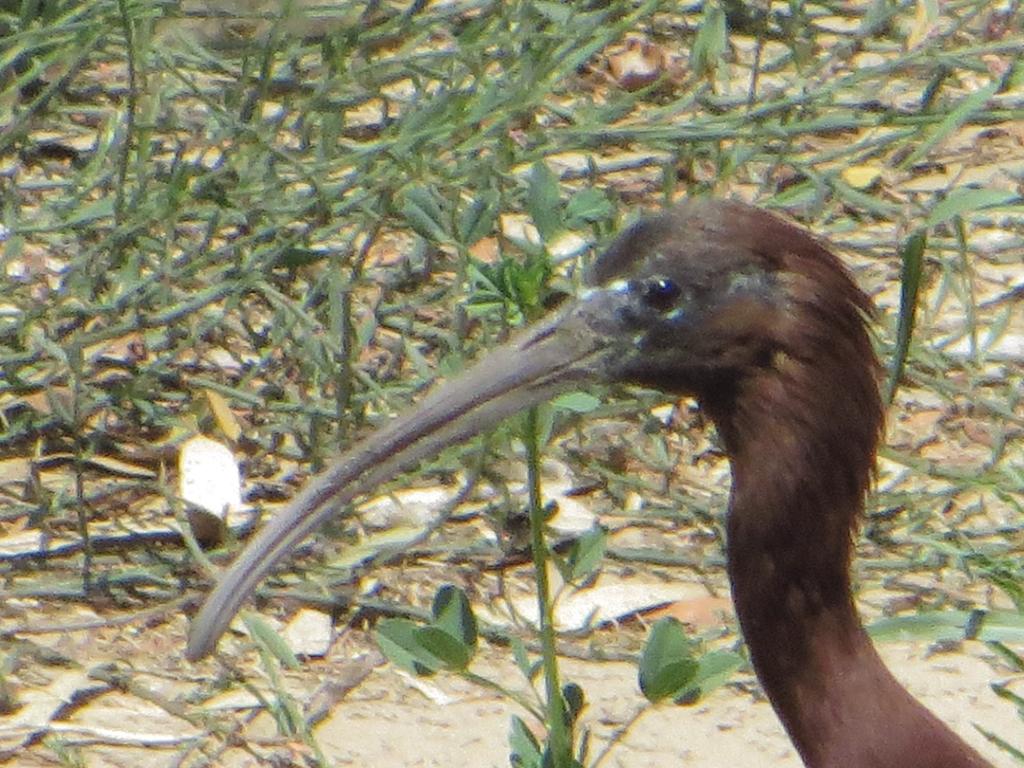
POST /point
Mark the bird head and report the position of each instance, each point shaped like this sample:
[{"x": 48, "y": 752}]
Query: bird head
[{"x": 714, "y": 299}]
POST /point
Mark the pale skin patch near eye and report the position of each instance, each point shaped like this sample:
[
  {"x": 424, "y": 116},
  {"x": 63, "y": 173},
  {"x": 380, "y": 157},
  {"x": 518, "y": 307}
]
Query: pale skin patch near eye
[
  {"x": 781, "y": 361},
  {"x": 747, "y": 281}
]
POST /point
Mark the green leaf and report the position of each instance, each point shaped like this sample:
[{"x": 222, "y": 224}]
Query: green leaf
[
  {"x": 477, "y": 219},
  {"x": 934, "y": 627},
  {"x": 521, "y": 285},
  {"x": 666, "y": 664},
  {"x": 713, "y": 670},
  {"x": 545, "y": 421},
  {"x": 453, "y": 614},
  {"x": 263, "y": 633},
  {"x": 577, "y": 402},
  {"x": 586, "y": 553},
  {"x": 543, "y": 201},
  {"x": 366, "y": 329},
  {"x": 795, "y": 196},
  {"x": 294, "y": 257},
  {"x": 420, "y": 364},
  {"x": 943, "y": 626},
  {"x": 912, "y": 258},
  {"x": 422, "y": 210},
  {"x": 1007, "y": 573},
  {"x": 559, "y": 13},
  {"x": 1011, "y": 657},
  {"x": 587, "y": 206},
  {"x": 522, "y": 658},
  {"x": 1003, "y": 692},
  {"x": 398, "y": 641},
  {"x": 961, "y": 201},
  {"x": 863, "y": 201},
  {"x": 575, "y": 701},
  {"x": 711, "y": 41},
  {"x": 525, "y": 749},
  {"x": 448, "y": 649},
  {"x": 527, "y": 282},
  {"x": 103, "y": 208},
  {"x": 963, "y": 112}
]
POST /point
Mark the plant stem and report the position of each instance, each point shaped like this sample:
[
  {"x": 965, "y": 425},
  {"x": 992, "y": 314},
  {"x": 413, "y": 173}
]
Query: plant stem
[{"x": 558, "y": 735}]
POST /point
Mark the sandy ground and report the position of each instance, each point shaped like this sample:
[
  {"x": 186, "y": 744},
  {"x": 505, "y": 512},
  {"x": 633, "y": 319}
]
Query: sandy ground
[{"x": 391, "y": 719}]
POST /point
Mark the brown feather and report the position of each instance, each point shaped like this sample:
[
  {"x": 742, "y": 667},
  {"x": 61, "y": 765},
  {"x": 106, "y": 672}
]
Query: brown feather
[{"x": 787, "y": 372}]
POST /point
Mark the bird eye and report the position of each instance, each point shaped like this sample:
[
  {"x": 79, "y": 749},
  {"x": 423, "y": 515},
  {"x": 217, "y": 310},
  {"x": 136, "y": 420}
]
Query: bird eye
[{"x": 660, "y": 293}]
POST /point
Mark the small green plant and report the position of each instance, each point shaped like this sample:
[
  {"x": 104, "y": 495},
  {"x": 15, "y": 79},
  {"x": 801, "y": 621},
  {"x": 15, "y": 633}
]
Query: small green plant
[
  {"x": 63, "y": 753},
  {"x": 1007, "y": 574},
  {"x": 1003, "y": 690},
  {"x": 670, "y": 669},
  {"x": 448, "y": 641},
  {"x": 516, "y": 288}
]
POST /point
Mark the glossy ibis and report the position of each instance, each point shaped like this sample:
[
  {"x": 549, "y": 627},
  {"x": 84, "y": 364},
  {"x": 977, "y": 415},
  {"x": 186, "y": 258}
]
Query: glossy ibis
[{"x": 763, "y": 325}]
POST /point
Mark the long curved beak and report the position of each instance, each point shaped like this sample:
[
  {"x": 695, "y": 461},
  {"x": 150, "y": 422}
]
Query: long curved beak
[{"x": 581, "y": 343}]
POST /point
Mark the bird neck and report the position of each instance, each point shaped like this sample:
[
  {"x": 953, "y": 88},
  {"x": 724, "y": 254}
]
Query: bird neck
[{"x": 798, "y": 487}]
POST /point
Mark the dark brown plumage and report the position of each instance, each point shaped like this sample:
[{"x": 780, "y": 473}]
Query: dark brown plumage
[{"x": 764, "y": 326}]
